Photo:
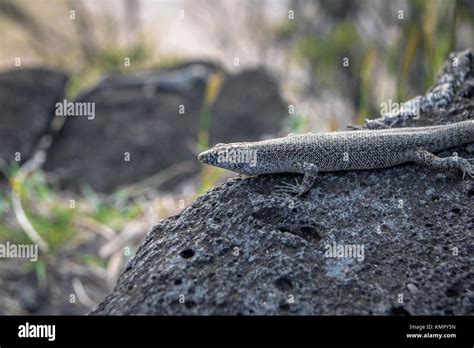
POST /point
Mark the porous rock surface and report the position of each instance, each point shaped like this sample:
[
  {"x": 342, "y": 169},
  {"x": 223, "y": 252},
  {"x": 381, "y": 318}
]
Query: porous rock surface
[{"x": 242, "y": 248}]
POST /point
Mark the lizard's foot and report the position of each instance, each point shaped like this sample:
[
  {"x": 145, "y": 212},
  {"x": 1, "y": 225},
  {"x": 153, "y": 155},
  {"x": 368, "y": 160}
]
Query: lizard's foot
[
  {"x": 310, "y": 172},
  {"x": 466, "y": 167},
  {"x": 287, "y": 188},
  {"x": 451, "y": 162}
]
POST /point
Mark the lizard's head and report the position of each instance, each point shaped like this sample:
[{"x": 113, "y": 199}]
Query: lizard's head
[{"x": 238, "y": 157}]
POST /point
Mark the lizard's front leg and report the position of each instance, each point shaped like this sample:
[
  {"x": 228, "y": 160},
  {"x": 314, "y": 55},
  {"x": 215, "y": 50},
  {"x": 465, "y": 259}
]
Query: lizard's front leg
[
  {"x": 452, "y": 162},
  {"x": 310, "y": 173}
]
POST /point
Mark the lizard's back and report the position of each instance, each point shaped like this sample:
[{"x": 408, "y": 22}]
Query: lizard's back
[{"x": 362, "y": 149}]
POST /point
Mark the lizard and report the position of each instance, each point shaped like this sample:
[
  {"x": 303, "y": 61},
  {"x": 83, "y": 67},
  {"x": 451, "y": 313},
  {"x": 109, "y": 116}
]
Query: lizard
[{"x": 312, "y": 153}]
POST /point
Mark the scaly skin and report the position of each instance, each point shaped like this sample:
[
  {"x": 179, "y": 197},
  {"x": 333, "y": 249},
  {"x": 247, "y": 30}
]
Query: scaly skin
[{"x": 344, "y": 150}]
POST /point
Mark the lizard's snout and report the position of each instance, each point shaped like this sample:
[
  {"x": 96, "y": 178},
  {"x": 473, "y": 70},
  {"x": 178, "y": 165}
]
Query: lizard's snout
[
  {"x": 206, "y": 157},
  {"x": 202, "y": 156}
]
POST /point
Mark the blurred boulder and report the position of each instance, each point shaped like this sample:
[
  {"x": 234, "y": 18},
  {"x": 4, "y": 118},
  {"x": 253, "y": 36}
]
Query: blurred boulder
[
  {"x": 139, "y": 130},
  {"x": 249, "y": 106},
  {"x": 27, "y": 102}
]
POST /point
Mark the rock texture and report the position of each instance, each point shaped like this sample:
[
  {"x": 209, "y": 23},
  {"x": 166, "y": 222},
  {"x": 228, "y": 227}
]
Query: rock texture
[
  {"x": 139, "y": 114},
  {"x": 27, "y": 103},
  {"x": 242, "y": 248}
]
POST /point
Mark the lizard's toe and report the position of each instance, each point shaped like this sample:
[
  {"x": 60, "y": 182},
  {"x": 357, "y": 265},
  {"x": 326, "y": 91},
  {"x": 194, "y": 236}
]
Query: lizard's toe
[
  {"x": 466, "y": 168},
  {"x": 471, "y": 172},
  {"x": 288, "y": 188}
]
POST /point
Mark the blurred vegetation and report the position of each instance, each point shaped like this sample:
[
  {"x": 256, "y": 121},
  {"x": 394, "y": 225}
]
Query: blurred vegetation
[
  {"x": 213, "y": 88},
  {"x": 86, "y": 47},
  {"x": 411, "y": 48},
  {"x": 295, "y": 124},
  {"x": 209, "y": 175},
  {"x": 426, "y": 32},
  {"x": 70, "y": 224},
  {"x": 426, "y": 42},
  {"x": 325, "y": 52},
  {"x": 54, "y": 216}
]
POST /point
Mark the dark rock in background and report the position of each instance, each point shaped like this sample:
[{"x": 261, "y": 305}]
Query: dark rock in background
[
  {"x": 136, "y": 114},
  {"x": 139, "y": 114},
  {"x": 249, "y": 106},
  {"x": 27, "y": 104},
  {"x": 242, "y": 248}
]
